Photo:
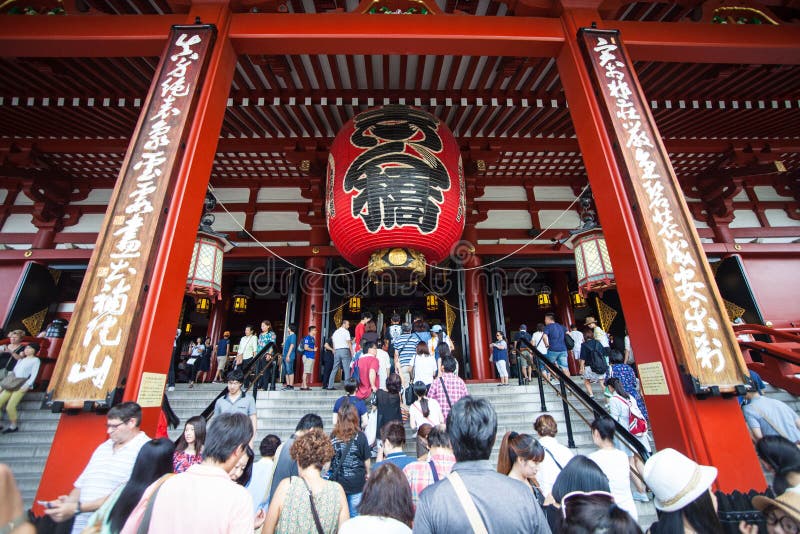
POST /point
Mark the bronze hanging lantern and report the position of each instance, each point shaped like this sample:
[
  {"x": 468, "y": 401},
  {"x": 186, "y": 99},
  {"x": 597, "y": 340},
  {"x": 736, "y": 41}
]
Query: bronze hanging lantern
[
  {"x": 431, "y": 302},
  {"x": 202, "y": 305},
  {"x": 592, "y": 262},
  {"x": 578, "y": 301},
  {"x": 544, "y": 298},
  {"x": 240, "y": 303},
  {"x": 205, "y": 270}
]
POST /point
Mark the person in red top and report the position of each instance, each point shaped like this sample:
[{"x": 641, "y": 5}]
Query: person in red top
[
  {"x": 360, "y": 327},
  {"x": 368, "y": 367}
]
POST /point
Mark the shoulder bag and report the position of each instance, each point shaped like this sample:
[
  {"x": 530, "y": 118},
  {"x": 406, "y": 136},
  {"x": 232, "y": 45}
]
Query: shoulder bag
[
  {"x": 474, "y": 517},
  {"x": 12, "y": 382},
  {"x": 446, "y": 396},
  {"x": 314, "y": 512},
  {"x": 144, "y": 526}
]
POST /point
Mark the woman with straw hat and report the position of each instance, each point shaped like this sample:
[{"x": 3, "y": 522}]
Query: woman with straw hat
[
  {"x": 781, "y": 514},
  {"x": 683, "y": 497}
]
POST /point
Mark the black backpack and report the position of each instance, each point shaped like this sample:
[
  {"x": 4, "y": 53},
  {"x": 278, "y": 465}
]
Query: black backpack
[{"x": 597, "y": 361}]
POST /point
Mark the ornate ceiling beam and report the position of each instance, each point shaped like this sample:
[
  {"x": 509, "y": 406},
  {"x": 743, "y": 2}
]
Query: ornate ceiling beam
[
  {"x": 494, "y": 144},
  {"x": 95, "y": 36},
  {"x": 709, "y": 43},
  {"x": 349, "y": 33}
]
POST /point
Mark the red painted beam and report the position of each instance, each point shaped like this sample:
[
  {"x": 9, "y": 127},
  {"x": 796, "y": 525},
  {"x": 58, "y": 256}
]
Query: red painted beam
[
  {"x": 710, "y": 43},
  {"x": 675, "y": 146},
  {"x": 334, "y": 33},
  {"x": 100, "y": 36},
  {"x": 78, "y": 256}
]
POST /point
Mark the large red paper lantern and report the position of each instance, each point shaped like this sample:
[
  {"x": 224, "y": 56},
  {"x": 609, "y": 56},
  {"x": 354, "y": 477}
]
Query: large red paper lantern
[{"x": 395, "y": 191}]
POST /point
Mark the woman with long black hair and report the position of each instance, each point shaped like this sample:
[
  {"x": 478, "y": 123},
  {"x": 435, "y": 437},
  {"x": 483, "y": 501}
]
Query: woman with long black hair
[
  {"x": 189, "y": 446},
  {"x": 424, "y": 410},
  {"x": 153, "y": 462}
]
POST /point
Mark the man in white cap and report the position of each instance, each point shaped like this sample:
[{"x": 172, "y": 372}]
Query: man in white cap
[{"x": 438, "y": 334}]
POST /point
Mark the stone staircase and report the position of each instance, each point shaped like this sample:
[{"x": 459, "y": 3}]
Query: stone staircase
[
  {"x": 517, "y": 407},
  {"x": 26, "y": 451}
]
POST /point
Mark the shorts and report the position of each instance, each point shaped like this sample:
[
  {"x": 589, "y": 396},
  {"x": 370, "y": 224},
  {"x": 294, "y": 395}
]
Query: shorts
[
  {"x": 308, "y": 365},
  {"x": 501, "y": 368},
  {"x": 221, "y": 361},
  {"x": 525, "y": 359},
  {"x": 288, "y": 368},
  {"x": 558, "y": 357},
  {"x": 591, "y": 376}
]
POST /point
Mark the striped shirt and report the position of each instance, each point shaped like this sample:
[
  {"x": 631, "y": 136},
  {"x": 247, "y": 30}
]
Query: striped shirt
[
  {"x": 106, "y": 471},
  {"x": 406, "y": 346},
  {"x": 420, "y": 474}
]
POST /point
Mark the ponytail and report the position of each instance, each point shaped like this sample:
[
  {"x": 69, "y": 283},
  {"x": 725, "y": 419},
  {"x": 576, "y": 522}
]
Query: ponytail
[
  {"x": 420, "y": 389},
  {"x": 423, "y": 402},
  {"x": 507, "y": 455}
]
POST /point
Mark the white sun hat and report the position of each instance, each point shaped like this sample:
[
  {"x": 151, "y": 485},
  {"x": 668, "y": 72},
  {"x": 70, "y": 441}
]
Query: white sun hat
[{"x": 676, "y": 480}]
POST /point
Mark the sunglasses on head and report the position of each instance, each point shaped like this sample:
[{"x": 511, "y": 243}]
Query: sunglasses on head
[{"x": 574, "y": 496}]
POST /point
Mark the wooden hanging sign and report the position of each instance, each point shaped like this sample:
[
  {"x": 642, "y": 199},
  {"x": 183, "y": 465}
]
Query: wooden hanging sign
[
  {"x": 695, "y": 317},
  {"x": 99, "y": 343}
]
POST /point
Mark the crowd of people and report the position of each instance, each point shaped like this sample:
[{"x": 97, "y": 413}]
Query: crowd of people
[
  {"x": 209, "y": 479},
  {"x": 358, "y": 478}
]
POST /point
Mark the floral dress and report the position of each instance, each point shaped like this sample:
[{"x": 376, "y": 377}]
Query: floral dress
[
  {"x": 181, "y": 460},
  {"x": 625, "y": 374},
  {"x": 296, "y": 516}
]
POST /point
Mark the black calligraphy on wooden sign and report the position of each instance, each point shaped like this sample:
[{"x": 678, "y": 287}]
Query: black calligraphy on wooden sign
[
  {"x": 688, "y": 296},
  {"x": 399, "y": 178},
  {"x": 100, "y": 339}
]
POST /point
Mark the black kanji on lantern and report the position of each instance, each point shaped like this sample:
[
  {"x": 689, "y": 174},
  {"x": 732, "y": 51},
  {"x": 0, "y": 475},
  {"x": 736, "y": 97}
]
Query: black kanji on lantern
[{"x": 399, "y": 178}]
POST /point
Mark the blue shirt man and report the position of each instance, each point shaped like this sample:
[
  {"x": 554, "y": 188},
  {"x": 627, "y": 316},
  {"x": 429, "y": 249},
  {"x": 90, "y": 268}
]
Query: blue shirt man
[
  {"x": 308, "y": 347},
  {"x": 289, "y": 355},
  {"x": 556, "y": 346}
]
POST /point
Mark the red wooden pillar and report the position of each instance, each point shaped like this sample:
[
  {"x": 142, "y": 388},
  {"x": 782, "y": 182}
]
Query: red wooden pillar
[
  {"x": 711, "y": 431},
  {"x": 475, "y": 297},
  {"x": 10, "y": 280},
  {"x": 312, "y": 285},
  {"x": 561, "y": 303},
  {"x": 78, "y": 435}
]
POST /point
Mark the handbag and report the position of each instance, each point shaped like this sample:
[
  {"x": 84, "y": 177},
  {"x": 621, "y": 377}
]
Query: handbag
[
  {"x": 12, "y": 382},
  {"x": 371, "y": 430},
  {"x": 408, "y": 393},
  {"x": 191, "y": 361}
]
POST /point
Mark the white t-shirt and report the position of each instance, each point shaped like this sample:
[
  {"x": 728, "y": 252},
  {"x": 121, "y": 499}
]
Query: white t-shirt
[
  {"x": 577, "y": 337},
  {"x": 424, "y": 369},
  {"x": 614, "y": 464},
  {"x": 628, "y": 349},
  {"x": 536, "y": 341},
  {"x": 106, "y": 471},
  {"x": 260, "y": 480},
  {"x": 248, "y": 346},
  {"x": 601, "y": 336},
  {"x": 548, "y": 469},
  {"x": 373, "y": 523},
  {"x": 341, "y": 339},
  {"x": 384, "y": 364},
  {"x": 415, "y": 417}
]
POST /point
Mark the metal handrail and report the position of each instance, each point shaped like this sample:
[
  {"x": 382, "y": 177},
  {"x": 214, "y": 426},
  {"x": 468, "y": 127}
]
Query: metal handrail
[
  {"x": 621, "y": 432},
  {"x": 247, "y": 369}
]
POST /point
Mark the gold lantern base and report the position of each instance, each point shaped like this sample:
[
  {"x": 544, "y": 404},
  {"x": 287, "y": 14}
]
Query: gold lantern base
[{"x": 401, "y": 265}]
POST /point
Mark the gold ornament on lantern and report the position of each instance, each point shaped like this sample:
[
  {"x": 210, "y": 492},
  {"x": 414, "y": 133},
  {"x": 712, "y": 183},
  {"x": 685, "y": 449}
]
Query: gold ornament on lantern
[
  {"x": 354, "y": 304},
  {"x": 188, "y": 328}
]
